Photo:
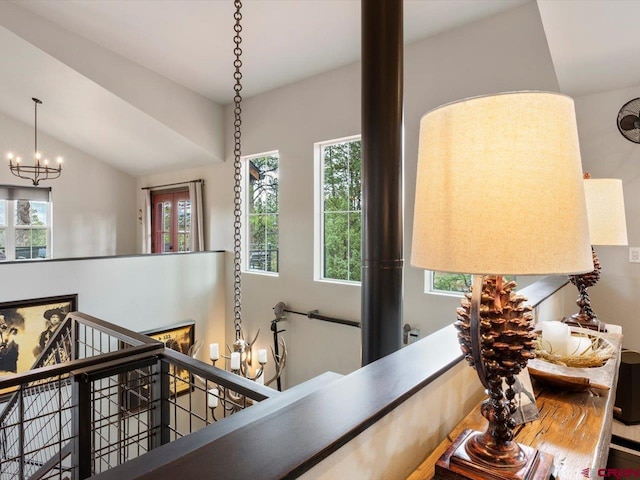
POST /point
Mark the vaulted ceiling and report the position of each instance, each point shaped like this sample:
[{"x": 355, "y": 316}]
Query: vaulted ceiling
[{"x": 141, "y": 84}]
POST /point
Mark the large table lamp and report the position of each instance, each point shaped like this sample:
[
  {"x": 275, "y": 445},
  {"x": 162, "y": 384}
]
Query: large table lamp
[
  {"x": 499, "y": 192},
  {"x": 607, "y": 226}
]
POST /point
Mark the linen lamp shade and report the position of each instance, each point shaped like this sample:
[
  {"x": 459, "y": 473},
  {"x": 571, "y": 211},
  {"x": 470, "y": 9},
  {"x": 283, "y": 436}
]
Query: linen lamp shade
[
  {"x": 605, "y": 211},
  {"x": 500, "y": 189}
]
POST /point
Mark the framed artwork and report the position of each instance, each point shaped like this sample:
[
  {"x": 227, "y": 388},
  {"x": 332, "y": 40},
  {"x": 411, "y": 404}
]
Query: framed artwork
[
  {"x": 180, "y": 338},
  {"x": 136, "y": 385},
  {"x": 26, "y": 326}
]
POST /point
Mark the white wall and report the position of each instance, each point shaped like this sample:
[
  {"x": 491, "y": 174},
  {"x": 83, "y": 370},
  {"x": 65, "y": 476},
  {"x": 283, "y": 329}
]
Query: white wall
[
  {"x": 191, "y": 115},
  {"x": 139, "y": 292},
  {"x": 94, "y": 204},
  {"x": 561, "y": 304},
  {"x": 607, "y": 154},
  {"x": 505, "y": 52},
  {"x": 394, "y": 446}
]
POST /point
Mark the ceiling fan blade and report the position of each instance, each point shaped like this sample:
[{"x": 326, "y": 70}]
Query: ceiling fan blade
[{"x": 629, "y": 122}]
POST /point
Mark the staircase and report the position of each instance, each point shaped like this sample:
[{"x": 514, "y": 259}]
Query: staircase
[
  {"x": 100, "y": 395},
  {"x": 35, "y": 424}
]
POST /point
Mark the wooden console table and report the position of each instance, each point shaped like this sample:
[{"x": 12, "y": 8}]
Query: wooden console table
[{"x": 575, "y": 427}]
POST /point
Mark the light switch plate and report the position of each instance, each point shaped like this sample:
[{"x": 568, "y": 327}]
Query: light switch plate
[{"x": 634, "y": 254}]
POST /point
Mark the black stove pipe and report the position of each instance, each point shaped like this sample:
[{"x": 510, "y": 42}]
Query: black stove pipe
[{"x": 382, "y": 178}]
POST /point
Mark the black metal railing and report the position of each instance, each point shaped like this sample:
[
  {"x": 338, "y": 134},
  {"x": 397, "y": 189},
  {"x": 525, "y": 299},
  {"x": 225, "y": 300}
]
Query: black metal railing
[
  {"x": 264, "y": 258},
  {"x": 100, "y": 395}
]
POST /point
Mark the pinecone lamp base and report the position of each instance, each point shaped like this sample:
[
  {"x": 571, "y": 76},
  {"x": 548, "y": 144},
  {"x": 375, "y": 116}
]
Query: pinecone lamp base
[
  {"x": 586, "y": 318},
  {"x": 497, "y": 338},
  {"x": 457, "y": 464}
]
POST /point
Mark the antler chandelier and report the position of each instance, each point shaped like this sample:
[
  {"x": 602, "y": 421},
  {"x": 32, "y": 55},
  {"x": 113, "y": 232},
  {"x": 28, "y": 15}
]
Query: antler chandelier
[{"x": 40, "y": 170}]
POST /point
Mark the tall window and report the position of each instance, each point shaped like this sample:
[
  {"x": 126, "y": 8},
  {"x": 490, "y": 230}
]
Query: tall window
[
  {"x": 339, "y": 219},
  {"x": 171, "y": 221},
  {"x": 261, "y": 173},
  {"x": 25, "y": 223}
]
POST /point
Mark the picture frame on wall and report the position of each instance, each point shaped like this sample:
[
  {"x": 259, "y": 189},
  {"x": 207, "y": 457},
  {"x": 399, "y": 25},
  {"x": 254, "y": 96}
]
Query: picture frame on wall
[
  {"x": 179, "y": 337},
  {"x": 137, "y": 383},
  {"x": 26, "y": 326}
]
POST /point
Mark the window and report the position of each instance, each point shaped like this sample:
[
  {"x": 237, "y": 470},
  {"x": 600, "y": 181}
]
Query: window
[
  {"x": 25, "y": 223},
  {"x": 171, "y": 221},
  {"x": 451, "y": 283},
  {"x": 261, "y": 173},
  {"x": 338, "y": 221}
]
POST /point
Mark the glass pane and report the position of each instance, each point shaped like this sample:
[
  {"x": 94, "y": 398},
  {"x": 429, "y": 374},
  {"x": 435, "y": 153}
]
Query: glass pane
[
  {"x": 336, "y": 176},
  {"x": 39, "y": 213},
  {"x": 355, "y": 268},
  {"x": 3, "y": 212},
  {"x": 3, "y": 244},
  {"x": 355, "y": 163},
  {"x": 23, "y": 244},
  {"x": 451, "y": 282},
  {"x": 271, "y": 251},
  {"x": 336, "y": 246},
  {"x": 263, "y": 184},
  {"x": 184, "y": 215},
  {"x": 31, "y": 243},
  {"x": 23, "y": 212},
  {"x": 257, "y": 242},
  {"x": 166, "y": 243},
  {"x": 30, "y": 213},
  {"x": 187, "y": 215},
  {"x": 181, "y": 219},
  {"x": 166, "y": 222}
]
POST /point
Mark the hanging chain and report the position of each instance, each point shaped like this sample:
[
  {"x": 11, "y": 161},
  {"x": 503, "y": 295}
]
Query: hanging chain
[{"x": 237, "y": 165}]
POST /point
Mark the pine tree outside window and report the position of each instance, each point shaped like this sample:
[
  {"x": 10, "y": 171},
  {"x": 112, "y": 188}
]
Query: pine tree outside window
[
  {"x": 448, "y": 283},
  {"x": 338, "y": 221},
  {"x": 456, "y": 284},
  {"x": 261, "y": 211}
]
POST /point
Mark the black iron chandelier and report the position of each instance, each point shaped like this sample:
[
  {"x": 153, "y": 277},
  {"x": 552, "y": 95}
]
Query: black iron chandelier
[{"x": 40, "y": 170}]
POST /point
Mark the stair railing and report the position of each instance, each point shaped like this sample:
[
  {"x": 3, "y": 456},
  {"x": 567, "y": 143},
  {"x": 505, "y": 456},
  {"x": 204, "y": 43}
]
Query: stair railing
[{"x": 117, "y": 395}]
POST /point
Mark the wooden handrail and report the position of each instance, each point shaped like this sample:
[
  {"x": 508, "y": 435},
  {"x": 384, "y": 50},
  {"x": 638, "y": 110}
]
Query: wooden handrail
[
  {"x": 15, "y": 379},
  {"x": 298, "y": 434},
  {"x": 216, "y": 375},
  {"x": 293, "y": 438},
  {"x": 121, "y": 333}
]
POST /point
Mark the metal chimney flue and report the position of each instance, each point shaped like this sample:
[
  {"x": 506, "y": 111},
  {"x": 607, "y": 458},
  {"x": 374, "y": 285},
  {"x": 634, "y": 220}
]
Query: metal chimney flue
[{"x": 382, "y": 178}]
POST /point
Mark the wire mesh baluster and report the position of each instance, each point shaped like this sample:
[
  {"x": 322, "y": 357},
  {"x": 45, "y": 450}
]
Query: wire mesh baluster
[
  {"x": 175, "y": 409},
  {"x": 21, "y": 433},
  {"x": 60, "y": 427},
  {"x": 94, "y": 430},
  {"x": 190, "y": 410},
  {"x": 3, "y": 447},
  {"x": 122, "y": 399},
  {"x": 224, "y": 402}
]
